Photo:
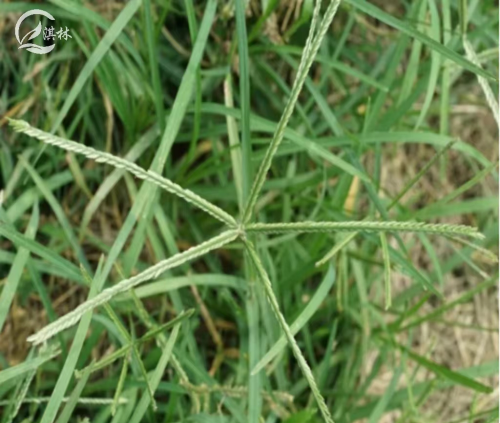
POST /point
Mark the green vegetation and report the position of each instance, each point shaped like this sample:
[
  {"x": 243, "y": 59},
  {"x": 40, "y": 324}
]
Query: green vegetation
[{"x": 251, "y": 212}]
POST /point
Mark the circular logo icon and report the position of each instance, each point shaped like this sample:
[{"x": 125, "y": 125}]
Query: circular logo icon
[{"x": 33, "y": 48}]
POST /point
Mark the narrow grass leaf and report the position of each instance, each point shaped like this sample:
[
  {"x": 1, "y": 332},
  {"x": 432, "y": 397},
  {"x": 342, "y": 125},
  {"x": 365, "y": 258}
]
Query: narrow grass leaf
[
  {"x": 156, "y": 376},
  {"x": 306, "y": 314},
  {"x": 244, "y": 79},
  {"x": 121, "y": 383},
  {"x": 66, "y": 374},
  {"x": 64, "y": 266},
  {"x": 387, "y": 270},
  {"x": 20, "y": 395},
  {"x": 70, "y": 405},
  {"x": 444, "y": 110},
  {"x": 27, "y": 366},
  {"x": 234, "y": 142},
  {"x": 95, "y": 58},
  {"x": 373, "y": 11},
  {"x": 215, "y": 280},
  {"x": 384, "y": 400},
  {"x": 112, "y": 179},
  {"x": 411, "y": 74},
  {"x": 306, "y": 370},
  {"x": 17, "y": 268},
  {"x": 150, "y": 33},
  {"x": 58, "y": 211},
  {"x": 435, "y": 32},
  {"x": 483, "y": 82},
  {"x": 448, "y": 374},
  {"x": 336, "y": 248}
]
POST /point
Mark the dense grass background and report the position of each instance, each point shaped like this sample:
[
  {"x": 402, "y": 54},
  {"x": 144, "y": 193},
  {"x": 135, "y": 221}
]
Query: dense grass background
[{"x": 390, "y": 88}]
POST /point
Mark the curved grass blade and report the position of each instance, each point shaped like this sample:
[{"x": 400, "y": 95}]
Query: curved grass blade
[
  {"x": 373, "y": 11},
  {"x": 95, "y": 58},
  {"x": 64, "y": 266},
  {"x": 446, "y": 373},
  {"x": 207, "y": 279},
  {"x": 435, "y": 31},
  {"x": 306, "y": 370},
  {"x": 306, "y": 314},
  {"x": 483, "y": 82},
  {"x": 58, "y": 211},
  {"x": 387, "y": 270},
  {"x": 27, "y": 366},
  {"x": 20, "y": 393},
  {"x": 157, "y": 375},
  {"x": 17, "y": 268},
  {"x": 70, "y": 405},
  {"x": 66, "y": 373},
  {"x": 121, "y": 382}
]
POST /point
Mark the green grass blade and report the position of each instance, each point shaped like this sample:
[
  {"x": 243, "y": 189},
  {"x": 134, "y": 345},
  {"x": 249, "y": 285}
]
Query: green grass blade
[
  {"x": 20, "y": 395},
  {"x": 64, "y": 266},
  {"x": 143, "y": 204},
  {"x": 234, "y": 143},
  {"x": 306, "y": 370},
  {"x": 306, "y": 314},
  {"x": 70, "y": 405},
  {"x": 435, "y": 32},
  {"x": 27, "y": 366},
  {"x": 244, "y": 171},
  {"x": 483, "y": 82},
  {"x": 384, "y": 400},
  {"x": 121, "y": 382},
  {"x": 156, "y": 376},
  {"x": 70, "y": 362},
  {"x": 414, "y": 61},
  {"x": 102, "y": 48},
  {"x": 387, "y": 270},
  {"x": 444, "y": 111},
  {"x": 448, "y": 374},
  {"x": 17, "y": 268},
  {"x": 375, "y": 12},
  {"x": 244, "y": 67},
  {"x": 207, "y": 279},
  {"x": 58, "y": 211},
  {"x": 336, "y": 248},
  {"x": 153, "y": 63}
]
